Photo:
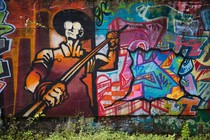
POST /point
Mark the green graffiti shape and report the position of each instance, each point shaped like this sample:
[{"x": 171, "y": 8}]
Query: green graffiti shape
[
  {"x": 1, "y": 68},
  {"x": 4, "y": 28}
]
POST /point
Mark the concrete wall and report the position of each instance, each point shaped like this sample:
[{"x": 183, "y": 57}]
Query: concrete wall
[{"x": 157, "y": 66}]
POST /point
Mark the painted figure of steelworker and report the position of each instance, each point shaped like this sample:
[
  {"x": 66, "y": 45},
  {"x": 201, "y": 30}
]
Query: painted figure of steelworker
[{"x": 56, "y": 73}]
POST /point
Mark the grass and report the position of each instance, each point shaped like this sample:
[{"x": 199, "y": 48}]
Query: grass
[
  {"x": 82, "y": 128},
  {"x": 102, "y": 135}
]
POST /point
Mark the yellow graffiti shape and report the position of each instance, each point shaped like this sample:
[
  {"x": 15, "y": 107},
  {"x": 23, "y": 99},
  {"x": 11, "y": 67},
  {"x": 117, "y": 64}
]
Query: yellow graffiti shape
[{"x": 176, "y": 93}]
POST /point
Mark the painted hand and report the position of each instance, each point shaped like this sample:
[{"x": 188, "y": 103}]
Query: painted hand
[
  {"x": 76, "y": 49},
  {"x": 45, "y": 57},
  {"x": 56, "y": 95},
  {"x": 91, "y": 65},
  {"x": 114, "y": 40}
]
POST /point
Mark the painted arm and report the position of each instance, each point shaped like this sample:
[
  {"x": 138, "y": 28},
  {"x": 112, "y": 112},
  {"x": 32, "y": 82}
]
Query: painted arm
[
  {"x": 108, "y": 61},
  {"x": 51, "y": 92},
  {"x": 40, "y": 66}
]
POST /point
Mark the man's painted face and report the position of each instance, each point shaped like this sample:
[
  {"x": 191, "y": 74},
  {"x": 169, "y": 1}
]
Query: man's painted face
[{"x": 73, "y": 30}]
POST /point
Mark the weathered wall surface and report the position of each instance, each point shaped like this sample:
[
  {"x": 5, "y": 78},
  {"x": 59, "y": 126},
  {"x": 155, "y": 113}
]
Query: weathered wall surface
[{"x": 105, "y": 58}]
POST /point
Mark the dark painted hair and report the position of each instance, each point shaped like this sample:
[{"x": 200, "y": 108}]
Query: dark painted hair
[{"x": 74, "y": 16}]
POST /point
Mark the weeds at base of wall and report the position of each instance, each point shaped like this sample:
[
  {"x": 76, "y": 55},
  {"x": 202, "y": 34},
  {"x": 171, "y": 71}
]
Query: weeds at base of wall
[
  {"x": 185, "y": 132},
  {"x": 82, "y": 128}
]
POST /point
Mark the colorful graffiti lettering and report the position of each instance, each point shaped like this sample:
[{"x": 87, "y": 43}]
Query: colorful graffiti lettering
[
  {"x": 100, "y": 11},
  {"x": 4, "y": 71},
  {"x": 5, "y": 44},
  {"x": 139, "y": 79},
  {"x": 205, "y": 17}
]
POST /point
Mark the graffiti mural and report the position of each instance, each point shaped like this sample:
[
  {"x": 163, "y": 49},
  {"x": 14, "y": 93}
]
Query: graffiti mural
[
  {"x": 104, "y": 58},
  {"x": 159, "y": 54},
  {"x": 5, "y": 46}
]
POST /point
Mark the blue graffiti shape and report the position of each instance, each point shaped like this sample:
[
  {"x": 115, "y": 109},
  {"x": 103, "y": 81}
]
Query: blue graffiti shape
[
  {"x": 205, "y": 15},
  {"x": 4, "y": 69},
  {"x": 153, "y": 12},
  {"x": 155, "y": 80},
  {"x": 5, "y": 45},
  {"x": 204, "y": 90},
  {"x": 2, "y": 5},
  {"x": 187, "y": 67},
  {"x": 145, "y": 122},
  {"x": 189, "y": 29}
]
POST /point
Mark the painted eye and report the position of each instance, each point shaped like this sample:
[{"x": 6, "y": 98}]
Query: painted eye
[
  {"x": 68, "y": 25},
  {"x": 77, "y": 26}
]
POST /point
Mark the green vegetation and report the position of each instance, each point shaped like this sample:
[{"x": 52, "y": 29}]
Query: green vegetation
[
  {"x": 185, "y": 131},
  {"x": 81, "y": 128}
]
